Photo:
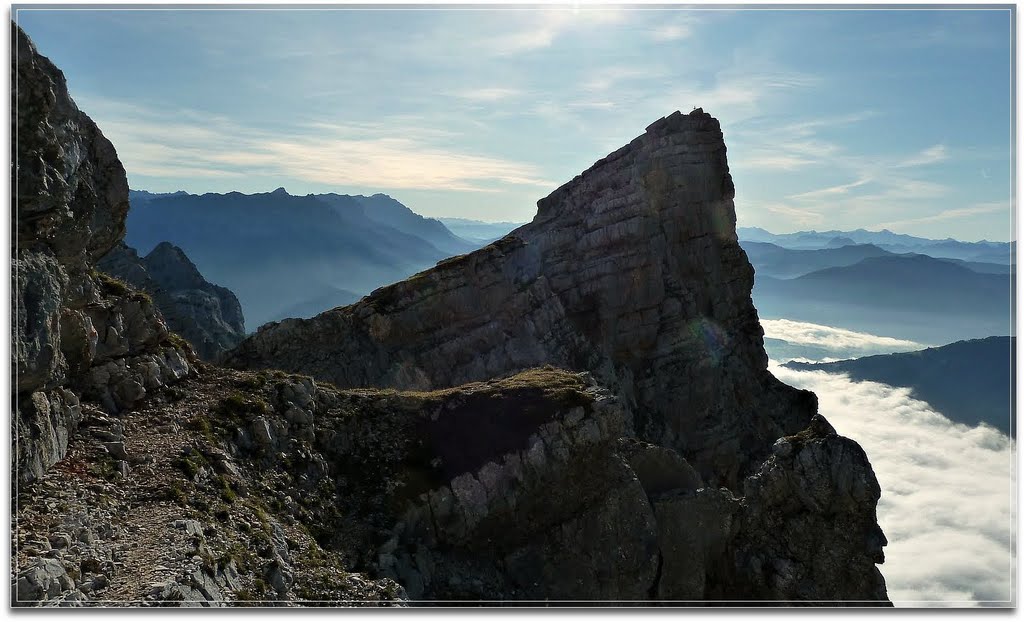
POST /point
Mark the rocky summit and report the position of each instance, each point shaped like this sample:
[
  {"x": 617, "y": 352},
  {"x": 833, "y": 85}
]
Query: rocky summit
[
  {"x": 208, "y": 316},
  {"x": 580, "y": 412},
  {"x": 632, "y": 273}
]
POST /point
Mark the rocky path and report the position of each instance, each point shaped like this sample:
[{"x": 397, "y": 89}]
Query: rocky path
[{"x": 136, "y": 514}]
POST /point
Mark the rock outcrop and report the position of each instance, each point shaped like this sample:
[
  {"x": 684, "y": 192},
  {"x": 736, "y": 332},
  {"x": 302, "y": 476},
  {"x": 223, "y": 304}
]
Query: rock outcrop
[
  {"x": 631, "y": 273},
  {"x": 208, "y": 316},
  {"x": 74, "y": 330}
]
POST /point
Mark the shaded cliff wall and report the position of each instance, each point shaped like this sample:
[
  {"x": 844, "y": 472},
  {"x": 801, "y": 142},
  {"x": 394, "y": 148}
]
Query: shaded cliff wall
[
  {"x": 74, "y": 332},
  {"x": 632, "y": 271}
]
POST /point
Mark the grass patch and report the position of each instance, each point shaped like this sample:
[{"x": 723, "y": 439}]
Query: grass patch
[
  {"x": 112, "y": 286},
  {"x": 238, "y": 405},
  {"x": 175, "y": 493},
  {"x": 178, "y": 341},
  {"x": 191, "y": 464},
  {"x": 227, "y": 493},
  {"x": 140, "y": 296},
  {"x": 253, "y": 382}
]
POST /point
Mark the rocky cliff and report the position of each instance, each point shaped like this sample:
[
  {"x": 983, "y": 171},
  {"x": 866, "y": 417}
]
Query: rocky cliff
[
  {"x": 630, "y": 272},
  {"x": 208, "y": 316},
  {"x": 112, "y": 410},
  {"x": 578, "y": 412},
  {"x": 75, "y": 332}
]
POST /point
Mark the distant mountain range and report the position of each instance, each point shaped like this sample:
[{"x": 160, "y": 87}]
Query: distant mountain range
[
  {"x": 968, "y": 381},
  {"x": 286, "y": 255},
  {"x": 776, "y": 261},
  {"x": 907, "y": 296},
  {"x": 983, "y": 251},
  {"x": 479, "y": 231}
]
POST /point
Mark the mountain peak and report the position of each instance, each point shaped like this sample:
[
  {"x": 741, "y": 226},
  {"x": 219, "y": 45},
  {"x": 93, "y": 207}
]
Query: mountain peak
[{"x": 280, "y": 191}]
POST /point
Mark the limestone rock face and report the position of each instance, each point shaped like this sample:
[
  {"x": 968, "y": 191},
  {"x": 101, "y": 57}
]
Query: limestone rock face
[
  {"x": 631, "y": 271},
  {"x": 70, "y": 188},
  {"x": 207, "y": 315},
  {"x": 809, "y": 531},
  {"x": 70, "y": 201}
]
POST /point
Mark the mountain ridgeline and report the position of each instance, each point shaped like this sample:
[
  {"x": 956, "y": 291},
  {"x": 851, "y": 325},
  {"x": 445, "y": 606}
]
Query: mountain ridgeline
[
  {"x": 255, "y": 245},
  {"x": 879, "y": 282},
  {"x": 208, "y": 316},
  {"x": 982, "y": 251},
  {"x": 971, "y": 382},
  {"x": 633, "y": 274}
]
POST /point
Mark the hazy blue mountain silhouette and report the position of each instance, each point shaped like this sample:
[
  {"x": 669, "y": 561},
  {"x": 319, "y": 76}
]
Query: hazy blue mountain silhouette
[
  {"x": 317, "y": 305},
  {"x": 786, "y": 263},
  {"x": 912, "y": 297},
  {"x": 776, "y": 261},
  {"x": 839, "y": 242},
  {"x": 384, "y": 210},
  {"x": 277, "y": 252},
  {"x": 968, "y": 381},
  {"x": 983, "y": 251},
  {"x": 478, "y": 231}
]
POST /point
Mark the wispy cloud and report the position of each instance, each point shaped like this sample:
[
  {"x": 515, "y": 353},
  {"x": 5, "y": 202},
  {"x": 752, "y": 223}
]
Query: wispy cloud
[
  {"x": 740, "y": 93},
  {"x": 830, "y": 191},
  {"x": 991, "y": 207},
  {"x": 387, "y": 154},
  {"x": 838, "y": 340},
  {"x": 672, "y": 32},
  {"x": 947, "y": 505},
  {"x": 488, "y": 94},
  {"x": 539, "y": 29},
  {"x": 931, "y": 155},
  {"x": 801, "y": 216},
  {"x": 613, "y": 76}
]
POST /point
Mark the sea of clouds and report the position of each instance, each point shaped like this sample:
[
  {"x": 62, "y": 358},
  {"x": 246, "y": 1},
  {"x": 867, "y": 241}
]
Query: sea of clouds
[{"x": 948, "y": 490}]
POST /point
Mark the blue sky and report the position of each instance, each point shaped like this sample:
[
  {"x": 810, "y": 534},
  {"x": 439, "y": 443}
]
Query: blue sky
[{"x": 833, "y": 118}]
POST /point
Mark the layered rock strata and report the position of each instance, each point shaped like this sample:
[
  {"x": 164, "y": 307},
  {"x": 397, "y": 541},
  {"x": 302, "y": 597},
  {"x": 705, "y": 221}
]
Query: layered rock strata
[
  {"x": 630, "y": 272},
  {"x": 208, "y": 316}
]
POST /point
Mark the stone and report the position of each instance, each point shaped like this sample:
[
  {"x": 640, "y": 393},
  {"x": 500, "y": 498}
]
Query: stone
[
  {"x": 116, "y": 450},
  {"x": 694, "y": 530},
  {"x": 631, "y": 271},
  {"x": 44, "y": 579},
  {"x": 659, "y": 469}
]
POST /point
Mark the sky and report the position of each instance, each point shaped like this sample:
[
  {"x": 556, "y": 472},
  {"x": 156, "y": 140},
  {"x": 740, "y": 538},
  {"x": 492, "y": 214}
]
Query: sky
[{"x": 834, "y": 119}]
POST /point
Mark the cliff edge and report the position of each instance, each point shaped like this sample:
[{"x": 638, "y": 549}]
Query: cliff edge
[{"x": 632, "y": 273}]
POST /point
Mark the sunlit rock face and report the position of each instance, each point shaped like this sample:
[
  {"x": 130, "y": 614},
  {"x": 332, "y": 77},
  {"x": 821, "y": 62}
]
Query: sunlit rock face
[{"x": 632, "y": 271}]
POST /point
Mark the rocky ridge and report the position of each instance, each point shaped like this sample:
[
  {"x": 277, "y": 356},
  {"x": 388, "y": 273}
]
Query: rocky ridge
[
  {"x": 632, "y": 273},
  {"x": 208, "y": 316},
  {"x": 649, "y": 471}
]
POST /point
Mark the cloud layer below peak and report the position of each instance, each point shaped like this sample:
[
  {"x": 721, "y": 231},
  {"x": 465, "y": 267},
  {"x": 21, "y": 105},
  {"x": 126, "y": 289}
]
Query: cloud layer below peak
[{"x": 947, "y": 505}]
